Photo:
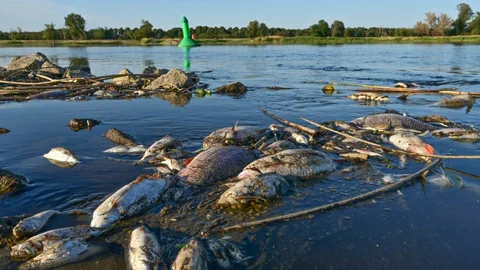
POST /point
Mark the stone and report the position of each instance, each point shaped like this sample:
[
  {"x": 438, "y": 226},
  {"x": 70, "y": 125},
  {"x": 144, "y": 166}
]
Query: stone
[
  {"x": 4, "y": 130},
  {"x": 52, "y": 69},
  {"x": 119, "y": 137},
  {"x": 232, "y": 88},
  {"x": 126, "y": 80},
  {"x": 175, "y": 79},
  {"x": 29, "y": 62},
  {"x": 79, "y": 124},
  {"x": 9, "y": 181}
]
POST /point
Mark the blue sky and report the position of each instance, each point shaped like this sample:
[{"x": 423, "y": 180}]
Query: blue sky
[{"x": 165, "y": 14}]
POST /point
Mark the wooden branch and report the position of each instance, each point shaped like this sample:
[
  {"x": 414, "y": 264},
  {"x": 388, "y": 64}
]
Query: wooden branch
[
  {"x": 288, "y": 123},
  {"x": 336, "y": 205},
  {"x": 387, "y": 148},
  {"x": 455, "y": 93}
]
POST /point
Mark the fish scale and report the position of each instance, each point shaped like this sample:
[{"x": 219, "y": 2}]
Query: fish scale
[
  {"x": 215, "y": 164},
  {"x": 389, "y": 120}
]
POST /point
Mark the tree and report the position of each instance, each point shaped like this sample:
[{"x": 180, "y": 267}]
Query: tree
[
  {"x": 263, "y": 30},
  {"x": 443, "y": 25},
  {"x": 338, "y": 29},
  {"x": 97, "y": 33},
  {"x": 49, "y": 33},
  {"x": 76, "y": 26},
  {"x": 321, "y": 29},
  {"x": 431, "y": 20},
  {"x": 145, "y": 30},
  {"x": 475, "y": 24},
  {"x": 465, "y": 13},
  {"x": 421, "y": 28},
  {"x": 15, "y": 33},
  {"x": 252, "y": 29}
]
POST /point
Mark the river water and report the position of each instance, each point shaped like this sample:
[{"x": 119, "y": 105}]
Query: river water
[{"x": 425, "y": 228}]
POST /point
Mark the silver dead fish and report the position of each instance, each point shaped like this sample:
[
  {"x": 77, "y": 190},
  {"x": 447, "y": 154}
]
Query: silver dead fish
[
  {"x": 239, "y": 135},
  {"x": 264, "y": 187},
  {"x": 192, "y": 256},
  {"x": 216, "y": 164},
  {"x": 225, "y": 254},
  {"x": 121, "y": 149},
  {"x": 294, "y": 163},
  {"x": 144, "y": 250},
  {"x": 278, "y": 146},
  {"x": 411, "y": 143},
  {"x": 128, "y": 201},
  {"x": 387, "y": 121},
  {"x": 57, "y": 254},
  {"x": 61, "y": 155},
  {"x": 36, "y": 244},
  {"x": 33, "y": 224},
  {"x": 167, "y": 142}
]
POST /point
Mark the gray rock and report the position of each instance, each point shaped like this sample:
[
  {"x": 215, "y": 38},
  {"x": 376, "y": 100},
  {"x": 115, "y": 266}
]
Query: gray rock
[
  {"x": 232, "y": 88},
  {"x": 119, "y": 137},
  {"x": 4, "y": 130},
  {"x": 2, "y": 69},
  {"x": 153, "y": 70},
  {"x": 175, "y": 79},
  {"x": 99, "y": 93},
  {"x": 52, "y": 69},
  {"x": 9, "y": 181},
  {"x": 126, "y": 80},
  {"x": 29, "y": 62}
]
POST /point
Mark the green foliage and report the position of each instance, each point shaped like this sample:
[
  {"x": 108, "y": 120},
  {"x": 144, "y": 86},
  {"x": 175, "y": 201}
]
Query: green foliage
[
  {"x": 338, "y": 29},
  {"x": 253, "y": 29},
  {"x": 97, "y": 33},
  {"x": 145, "y": 30},
  {"x": 475, "y": 24},
  {"x": 321, "y": 29},
  {"x": 465, "y": 13},
  {"x": 75, "y": 24},
  {"x": 49, "y": 32}
]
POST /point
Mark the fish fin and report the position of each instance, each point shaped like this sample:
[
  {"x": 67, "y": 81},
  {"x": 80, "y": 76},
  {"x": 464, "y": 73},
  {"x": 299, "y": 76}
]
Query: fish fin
[
  {"x": 429, "y": 149},
  {"x": 235, "y": 126},
  {"x": 187, "y": 161}
]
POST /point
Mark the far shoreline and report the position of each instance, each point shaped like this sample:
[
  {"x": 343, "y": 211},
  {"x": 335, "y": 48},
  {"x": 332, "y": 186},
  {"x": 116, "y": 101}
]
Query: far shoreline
[{"x": 269, "y": 40}]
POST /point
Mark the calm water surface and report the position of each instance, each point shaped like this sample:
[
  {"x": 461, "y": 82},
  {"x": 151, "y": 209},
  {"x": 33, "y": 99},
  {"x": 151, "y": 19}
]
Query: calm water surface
[{"x": 434, "y": 228}]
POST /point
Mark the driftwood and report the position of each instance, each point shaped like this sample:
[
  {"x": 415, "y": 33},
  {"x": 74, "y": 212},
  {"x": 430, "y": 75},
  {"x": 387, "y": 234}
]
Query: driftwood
[
  {"x": 455, "y": 93},
  {"x": 463, "y": 173},
  {"x": 339, "y": 204},
  {"x": 404, "y": 90},
  {"x": 387, "y": 148},
  {"x": 290, "y": 124}
]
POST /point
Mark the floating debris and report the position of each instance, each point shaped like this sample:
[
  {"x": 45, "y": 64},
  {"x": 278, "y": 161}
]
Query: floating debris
[
  {"x": 459, "y": 101},
  {"x": 120, "y": 137},
  {"x": 328, "y": 89},
  {"x": 369, "y": 97},
  {"x": 4, "y": 130},
  {"x": 79, "y": 124}
]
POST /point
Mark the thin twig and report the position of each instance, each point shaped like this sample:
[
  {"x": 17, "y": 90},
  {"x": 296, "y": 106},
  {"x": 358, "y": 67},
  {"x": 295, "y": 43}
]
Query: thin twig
[
  {"x": 464, "y": 173},
  {"x": 335, "y": 205},
  {"x": 288, "y": 123},
  {"x": 387, "y": 148}
]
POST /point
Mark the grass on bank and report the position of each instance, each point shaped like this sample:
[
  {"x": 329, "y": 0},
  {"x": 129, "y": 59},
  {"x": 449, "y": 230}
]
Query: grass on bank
[{"x": 306, "y": 40}]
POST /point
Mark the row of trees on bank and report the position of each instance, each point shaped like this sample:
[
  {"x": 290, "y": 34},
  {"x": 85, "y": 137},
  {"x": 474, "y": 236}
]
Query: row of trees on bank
[{"x": 467, "y": 22}]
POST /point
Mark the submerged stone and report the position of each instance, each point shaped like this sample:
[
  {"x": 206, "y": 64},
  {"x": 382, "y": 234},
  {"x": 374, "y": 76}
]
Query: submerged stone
[
  {"x": 9, "y": 181},
  {"x": 232, "y": 88},
  {"x": 120, "y": 137},
  {"x": 79, "y": 124}
]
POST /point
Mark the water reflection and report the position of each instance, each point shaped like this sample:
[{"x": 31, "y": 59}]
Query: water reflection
[
  {"x": 80, "y": 63},
  {"x": 186, "y": 59},
  {"x": 174, "y": 98}
]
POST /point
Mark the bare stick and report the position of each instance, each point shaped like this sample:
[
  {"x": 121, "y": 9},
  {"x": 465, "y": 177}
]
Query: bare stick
[
  {"x": 464, "y": 173},
  {"x": 387, "y": 148},
  {"x": 288, "y": 123},
  {"x": 335, "y": 205}
]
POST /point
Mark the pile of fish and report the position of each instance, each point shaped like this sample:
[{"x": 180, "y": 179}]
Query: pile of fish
[{"x": 260, "y": 165}]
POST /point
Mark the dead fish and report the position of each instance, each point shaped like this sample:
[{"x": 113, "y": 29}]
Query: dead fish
[
  {"x": 275, "y": 127},
  {"x": 299, "y": 138},
  {"x": 278, "y": 146},
  {"x": 225, "y": 253},
  {"x": 120, "y": 137},
  {"x": 192, "y": 256},
  {"x": 369, "y": 97},
  {"x": 472, "y": 136},
  {"x": 445, "y": 132},
  {"x": 411, "y": 143},
  {"x": 406, "y": 85},
  {"x": 457, "y": 101},
  {"x": 57, "y": 254},
  {"x": 173, "y": 164},
  {"x": 33, "y": 224},
  {"x": 144, "y": 250},
  {"x": 238, "y": 135},
  {"x": 36, "y": 244},
  {"x": 173, "y": 154},
  {"x": 167, "y": 142},
  {"x": 369, "y": 153},
  {"x": 436, "y": 118},
  {"x": 389, "y": 121},
  {"x": 290, "y": 163},
  {"x": 62, "y": 155},
  {"x": 216, "y": 164},
  {"x": 128, "y": 201},
  {"x": 120, "y": 149},
  {"x": 264, "y": 187},
  {"x": 50, "y": 94}
]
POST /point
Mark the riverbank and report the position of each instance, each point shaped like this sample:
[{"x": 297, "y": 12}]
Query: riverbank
[{"x": 304, "y": 40}]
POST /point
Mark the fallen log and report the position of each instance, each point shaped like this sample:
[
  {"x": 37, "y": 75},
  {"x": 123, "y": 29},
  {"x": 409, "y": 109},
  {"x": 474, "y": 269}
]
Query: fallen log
[
  {"x": 336, "y": 205},
  {"x": 288, "y": 123}
]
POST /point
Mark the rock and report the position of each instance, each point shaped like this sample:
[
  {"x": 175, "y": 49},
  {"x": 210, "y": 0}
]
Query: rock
[
  {"x": 4, "y": 130},
  {"x": 175, "y": 79},
  {"x": 126, "y": 80},
  {"x": 29, "y": 62},
  {"x": 99, "y": 93},
  {"x": 79, "y": 124},
  {"x": 150, "y": 70},
  {"x": 119, "y": 137},
  {"x": 232, "y": 88},
  {"x": 10, "y": 182},
  {"x": 52, "y": 69},
  {"x": 6, "y": 226}
]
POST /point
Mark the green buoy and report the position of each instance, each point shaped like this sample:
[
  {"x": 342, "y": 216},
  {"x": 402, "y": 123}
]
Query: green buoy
[{"x": 187, "y": 41}]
